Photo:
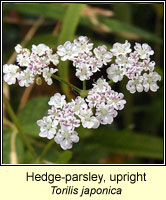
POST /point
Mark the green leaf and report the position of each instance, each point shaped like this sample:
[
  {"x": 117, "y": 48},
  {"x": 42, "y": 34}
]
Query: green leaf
[
  {"x": 56, "y": 11},
  {"x": 117, "y": 26},
  {"x": 34, "y": 110},
  {"x": 28, "y": 158},
  {"x": 88, "y": 152},
  {"x": 54, "y": 155},
  {"x": 70, "y": 23},
  {"x": 49, "y": 10},
  {"x": 130, "y": 143},
  {"x": 119, "y": 8},
  {"x": 7, "y": 133}
]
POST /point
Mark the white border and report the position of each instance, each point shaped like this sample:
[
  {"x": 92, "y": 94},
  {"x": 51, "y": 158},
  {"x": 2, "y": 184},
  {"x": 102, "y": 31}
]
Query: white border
[{"x": 2, "y": 84}]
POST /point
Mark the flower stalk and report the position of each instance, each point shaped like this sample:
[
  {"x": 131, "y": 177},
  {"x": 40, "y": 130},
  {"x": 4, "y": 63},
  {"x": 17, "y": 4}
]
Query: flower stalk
[
  {"x": 67, "y": 83},
  {"x": 44, "y": 152},
  {"x": 84, "y": 85},
  {"x": 16, "y": 122}
]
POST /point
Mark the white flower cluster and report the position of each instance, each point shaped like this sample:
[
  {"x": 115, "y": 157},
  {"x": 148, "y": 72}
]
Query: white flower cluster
[
  {"x": 33, "y": 64},
  {"x": 84, "y": 60},
  {"x": 100, "y": 107},
  {"x": 134, "y": 65},
  {"x": 101, "y": 103},
  {"x": 87, "y": 61}
]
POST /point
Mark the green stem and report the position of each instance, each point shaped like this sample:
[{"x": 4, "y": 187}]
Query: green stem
[
  {"x": 67, "y": 83},
  {"x": 84, "y": 85},
  {"x": 84, "y": 93},
  {"x": 16, "y": 122},
  {"x": 45, "y": 150}
]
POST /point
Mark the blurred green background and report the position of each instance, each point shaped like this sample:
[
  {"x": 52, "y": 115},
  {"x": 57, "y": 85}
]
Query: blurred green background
[{"x": 136, "y": 135}]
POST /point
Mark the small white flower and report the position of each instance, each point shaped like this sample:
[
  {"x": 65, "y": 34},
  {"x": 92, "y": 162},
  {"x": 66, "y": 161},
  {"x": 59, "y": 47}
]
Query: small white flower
[
  {"x": 18, "y": 48},
  {"x": 55, "y": 113},
  {"x": 11, "y": 73},
  {"x": 67, "y": 112},
  {"x": 93, "y": 99},
  {"x": 67, "y": 51},
  {"x": 83, "y": 72},
  {"x": 58, "y": 100},
  {"x": 82, "y": 58},
  {"x": 150, "y": 81},
  {"x": 23, "y": 60},
  {"x": 47, "y": 73},
  {"x": 133, "y": 69},
  {"x": 38, "y": 63},
  {"x": 134, "y": 57},
  {"x": 147, "y": 65},
  {"x": 105, "y": 113},
  {"x": 115, "y": 72},
  {"x": 65, "y": 137},
  {"x": 54, "y": 58},
  {"x": 73, "y": 122},
  {"x": 88, "y": 120},
  {"x": 101, "y": 85},
  {"x": 82, "y": 44},
  {"x": 121, "y": 49},
  {"x": 116, "y": 100},
  {"x": 95, "y": 64},
  {"x": 25, "y": 78},
  {"x": 48, "y": 127},
  {"x": 102, "y": 54},
  {"x": 135, "y": 85},
  {"x": 121, "y": 60},
  {"x": 79, "y": 105},
  {"x": 41, "y": 49},
  {"x": 144, "y": 50}
]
